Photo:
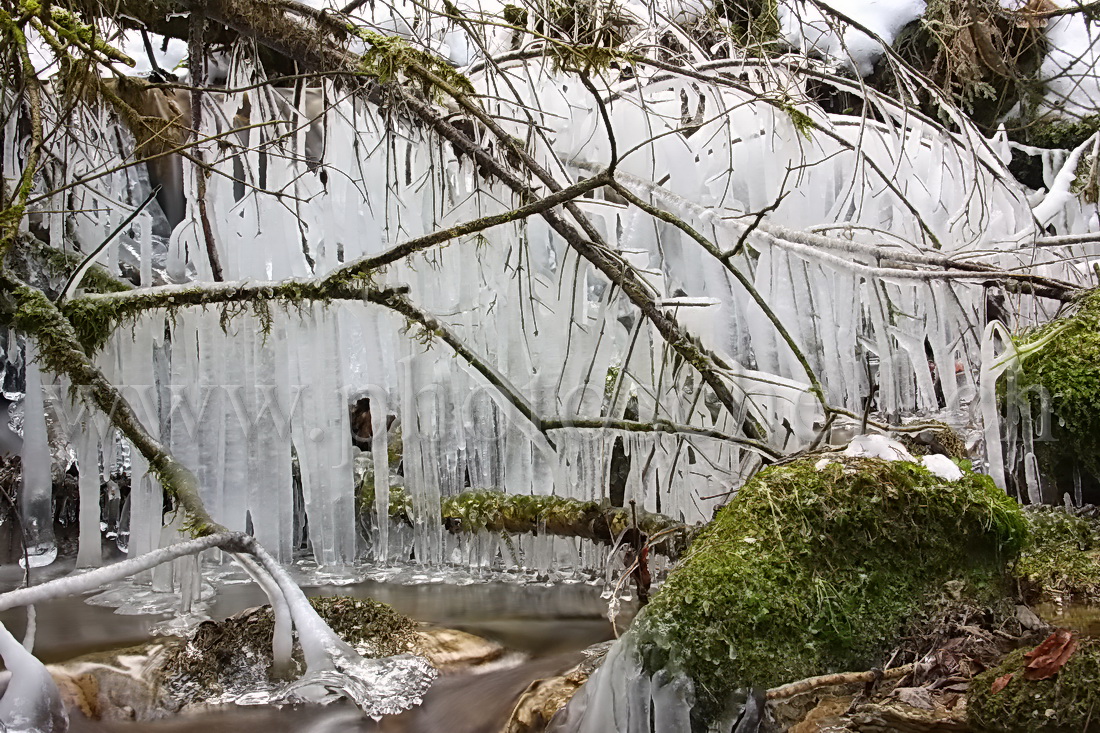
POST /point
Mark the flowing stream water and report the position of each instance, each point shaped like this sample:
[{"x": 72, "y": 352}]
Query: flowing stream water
[{"x": 548, "y": 625}]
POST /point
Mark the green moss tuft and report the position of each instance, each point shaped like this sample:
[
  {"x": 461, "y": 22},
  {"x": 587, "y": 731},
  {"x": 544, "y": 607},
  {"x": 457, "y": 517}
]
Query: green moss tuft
[
  {"x": 1069, "y": 702},
  {"x": 808, "y": 572},
  {"x": 391, "y": 57},
  {"x": 1062, "y": 134}
]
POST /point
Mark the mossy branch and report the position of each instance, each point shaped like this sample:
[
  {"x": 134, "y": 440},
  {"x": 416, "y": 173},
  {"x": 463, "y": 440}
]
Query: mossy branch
[{"x": 558, "y": 516}]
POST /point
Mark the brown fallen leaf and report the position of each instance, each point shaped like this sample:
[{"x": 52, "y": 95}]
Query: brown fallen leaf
[
  {"x": 1032, "y": 15},
  {"x": 1001, "y": 682},
  {"x": 1045, "y": 660}
]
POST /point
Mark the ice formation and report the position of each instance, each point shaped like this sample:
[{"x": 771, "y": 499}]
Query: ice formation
[
  {"x": 623, "y": 696},
  {"x": 812, "y": 27},
  {"x": 862, "y": 213},
  {"x": 30, "y": 702},
  {"x": 36, "y": 490},
  {"x": 877, "y": 446},
  {"x": 867, "y": 238}
]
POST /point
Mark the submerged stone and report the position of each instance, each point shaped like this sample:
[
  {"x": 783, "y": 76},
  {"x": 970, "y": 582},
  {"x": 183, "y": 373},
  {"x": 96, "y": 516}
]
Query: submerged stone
[{"x": 815, "y": 567}]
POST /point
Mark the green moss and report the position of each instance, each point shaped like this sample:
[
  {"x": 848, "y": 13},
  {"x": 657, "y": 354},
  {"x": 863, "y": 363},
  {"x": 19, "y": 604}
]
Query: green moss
[
  {"x": 940, "y": 439},
  {"x": 96, "y": 280},
  {"x": 390, "y": 57},
  {"x": 1062, "y": 556},
  {"x": 808, "y": 572},
  {"x": 801, "y": 121},
  {"x": 401, "y": 508},
  {"x": 515, "y": 15},
  {"x": 33, "y": 313},
  {"x": 1069, "y": 702},
  {"x": 495, "y": 511},
  {"x": 1061, "y": 134},
  {"x": 1065, "y": 369}
]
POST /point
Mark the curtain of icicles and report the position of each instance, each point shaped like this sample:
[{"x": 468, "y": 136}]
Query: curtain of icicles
[{"x": 856, "y": 205}]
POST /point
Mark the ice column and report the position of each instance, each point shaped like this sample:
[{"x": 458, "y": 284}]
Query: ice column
[
  {"x": 270, "y": 487},
  {"x": 321, "y": 432},
  {"x": 36, "y": 497},
  {"x": 146, "y": 497},
  {"x": 86, "y": 442}
]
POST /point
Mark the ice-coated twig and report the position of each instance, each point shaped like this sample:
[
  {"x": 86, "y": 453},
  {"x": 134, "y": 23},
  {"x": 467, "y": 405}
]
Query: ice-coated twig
[
  {"x": 282, "y": 639},
  {"x": 331, "y": 663},
  {"x": 31, "y": 701},
  {"x": 77, "y": 584}
]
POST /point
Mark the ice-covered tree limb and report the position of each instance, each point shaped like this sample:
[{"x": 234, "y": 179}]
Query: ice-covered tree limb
[
  {"x": 124, "y": 304},
  {"x": 325, "y": 652},
  {"x": 267, "y": 25},
  {"x": 810, "y": 246}
]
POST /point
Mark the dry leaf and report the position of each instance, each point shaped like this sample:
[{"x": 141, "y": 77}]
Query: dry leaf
[
  {"x": 1001, "y": 682},
  {"x": 1045, "y": 660},
  {"x": 1031, "y": 15}
]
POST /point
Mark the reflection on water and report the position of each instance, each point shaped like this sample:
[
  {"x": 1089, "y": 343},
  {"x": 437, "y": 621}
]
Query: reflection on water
[
  {"x": 1082, "y": 617},
  {"x": 551, "y": 624}
]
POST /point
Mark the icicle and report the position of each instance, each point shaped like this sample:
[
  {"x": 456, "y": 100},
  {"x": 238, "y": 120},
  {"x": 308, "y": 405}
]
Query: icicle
[
  {"x": 90, "y": 552},
  {"x": 273, "y": 403},
  {"x": 36, "y": 493},
  {"x": 380, "y": 456},
  {"x": 322, "y": 432},
  {"x": 146, "y": 497}
]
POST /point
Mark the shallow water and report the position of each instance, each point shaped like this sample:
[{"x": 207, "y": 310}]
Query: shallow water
[
  {"x": 549, "y": 624},
  {"x": 1084, "y": 618}
]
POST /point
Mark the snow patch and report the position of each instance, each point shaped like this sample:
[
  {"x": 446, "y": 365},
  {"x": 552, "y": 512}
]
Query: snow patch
[
  {"x": 877, "y": 446},
  {"x": 805, "y": 27},
  {"x": 942, "y": 466}
]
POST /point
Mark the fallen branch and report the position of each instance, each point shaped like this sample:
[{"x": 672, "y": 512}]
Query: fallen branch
[{"x": 841, "y": 678}]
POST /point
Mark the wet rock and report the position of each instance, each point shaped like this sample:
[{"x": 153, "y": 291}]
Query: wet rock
[
  {"x": 452, "y": 651},
  {"x": 544, "y": 698},
  {"x": 116, "y": 685}
]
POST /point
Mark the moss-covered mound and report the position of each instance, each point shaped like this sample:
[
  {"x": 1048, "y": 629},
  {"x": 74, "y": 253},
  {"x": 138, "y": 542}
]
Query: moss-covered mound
[
  {"x": 1061, "y": 559},
  {"x": 1069, "y": 701},
  {"x": 234, "y": 656},
  {"x": 811, "y": 571},
  {"x": 1066, "y": 370}
]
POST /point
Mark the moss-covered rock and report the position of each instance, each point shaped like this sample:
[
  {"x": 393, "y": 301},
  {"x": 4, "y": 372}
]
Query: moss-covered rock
[
  {"x": 1061, "y": 559},
  {"x": 1066, "y": 370},
  {"x": 229, "y": 657},
  {"x": 813, "y": 571},
  {"x": 1069, "y": 701}
]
